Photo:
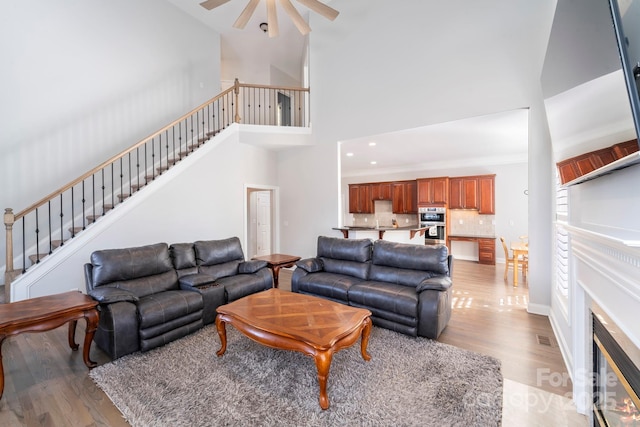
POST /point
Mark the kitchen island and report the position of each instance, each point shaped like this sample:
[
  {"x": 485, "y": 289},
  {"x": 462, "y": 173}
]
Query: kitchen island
[{"x": 410, "y": 234}]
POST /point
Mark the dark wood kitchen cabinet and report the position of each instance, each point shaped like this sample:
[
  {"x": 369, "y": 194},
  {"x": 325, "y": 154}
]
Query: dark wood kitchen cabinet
[
  {"x": 433, "y": 191},
  {"x": 473, "y": 192},
  {"x": 360, "y": 198},
  {"x": 487, "y": 251},
  {"x": 463, "y": 192},
  {"x": 487, "y": 202},
  {"x": 381, "y": 191},
  {"x": 405, "y": 198}
]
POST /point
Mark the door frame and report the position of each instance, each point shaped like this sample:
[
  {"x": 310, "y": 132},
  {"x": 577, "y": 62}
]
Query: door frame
[{"x": 275, "y": 215}]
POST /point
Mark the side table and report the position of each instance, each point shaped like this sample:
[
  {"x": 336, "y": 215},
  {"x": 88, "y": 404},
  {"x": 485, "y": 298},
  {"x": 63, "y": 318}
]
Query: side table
[
  {"x": 49, "y": 312},
  {"x": 277, "y": 261}
]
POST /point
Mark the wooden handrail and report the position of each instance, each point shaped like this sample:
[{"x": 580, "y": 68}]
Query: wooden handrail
[
  {"x": 230, "y": 112},
  {"x": 116, "y": 157}
]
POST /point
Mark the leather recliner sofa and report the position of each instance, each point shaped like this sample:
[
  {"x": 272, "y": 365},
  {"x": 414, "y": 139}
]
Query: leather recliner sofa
[
  {"x": 406, "y": 287},
  {"x": 151, "y": 295}
]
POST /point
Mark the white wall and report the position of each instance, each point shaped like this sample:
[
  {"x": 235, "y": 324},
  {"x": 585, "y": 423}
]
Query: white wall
[
  {"x": 82, "y": 80},
  {"x": 201, "y": 198},
  {"x": 430, "y": 62}
]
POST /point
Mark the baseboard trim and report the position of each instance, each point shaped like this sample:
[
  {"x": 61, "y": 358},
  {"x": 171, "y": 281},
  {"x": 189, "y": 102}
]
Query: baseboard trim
[{"x": 540, "y": 309}]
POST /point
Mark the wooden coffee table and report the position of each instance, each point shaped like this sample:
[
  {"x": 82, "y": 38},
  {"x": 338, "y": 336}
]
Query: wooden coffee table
[
  {"x": 277, "y": 261},
  {"x": 291, "y": 321},
  {"x": 46, "y": 313}
]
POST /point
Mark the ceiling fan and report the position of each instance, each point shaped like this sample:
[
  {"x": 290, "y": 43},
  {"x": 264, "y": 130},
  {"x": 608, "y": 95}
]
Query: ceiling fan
[{"x": 272, "y": 19}]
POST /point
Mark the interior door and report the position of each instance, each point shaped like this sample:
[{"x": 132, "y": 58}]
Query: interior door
[
  {"x": 284, "y": 109},
  {"x": 264, "y": 223}
]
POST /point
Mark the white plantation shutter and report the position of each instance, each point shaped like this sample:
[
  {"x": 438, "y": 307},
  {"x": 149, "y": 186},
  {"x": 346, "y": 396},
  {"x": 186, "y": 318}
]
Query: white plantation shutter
[{"x": 562, "y": 240}]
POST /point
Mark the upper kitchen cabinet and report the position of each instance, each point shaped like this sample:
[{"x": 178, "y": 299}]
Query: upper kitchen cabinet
[
  {"x": 405, "y": 197},
  {"x": 486, "y": 185},
  {"x": 463, "y": 192},
  {"x": 381, "y": 191},
  {"x": 433, "y": 191},
  {"x": 360, "y": 198},
  {"x": 473, "y": 192}
]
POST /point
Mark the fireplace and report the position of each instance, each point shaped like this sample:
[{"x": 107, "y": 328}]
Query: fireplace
[{"x": 616, "y": 384}]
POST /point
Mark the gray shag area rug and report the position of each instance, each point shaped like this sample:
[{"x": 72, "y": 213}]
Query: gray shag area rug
[{"x": 407, "y": 382}]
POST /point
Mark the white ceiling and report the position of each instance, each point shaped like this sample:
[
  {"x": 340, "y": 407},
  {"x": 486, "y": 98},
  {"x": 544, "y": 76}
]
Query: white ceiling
[{"x": 493, "y": 139}]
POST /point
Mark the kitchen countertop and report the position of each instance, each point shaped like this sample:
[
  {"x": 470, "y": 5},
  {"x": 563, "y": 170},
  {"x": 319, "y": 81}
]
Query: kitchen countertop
[
  {"x": 381, "y": 230},
  {"x": 470, "y": 236}
]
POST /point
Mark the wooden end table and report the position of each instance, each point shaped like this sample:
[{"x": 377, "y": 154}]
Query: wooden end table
[
  {"x": 290, "y": 321},
  {"x": 49, "y": 312},
  {"x": 277, "y": 261}
]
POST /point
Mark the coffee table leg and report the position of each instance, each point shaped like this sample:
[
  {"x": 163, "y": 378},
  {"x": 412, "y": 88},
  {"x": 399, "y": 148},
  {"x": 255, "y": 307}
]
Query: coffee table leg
[
  {"x": 366, "y": 330},
  {"x": 72, "y": 335},
  {"x": 91, "y": 318},
  {"x": 323, "y": 363},
  {"x": 222, "y": 332}
]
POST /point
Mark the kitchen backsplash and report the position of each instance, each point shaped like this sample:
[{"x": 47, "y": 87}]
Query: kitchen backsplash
[
  {"x": 384, "y": 215},
  {"x": 471, "y": 223}
]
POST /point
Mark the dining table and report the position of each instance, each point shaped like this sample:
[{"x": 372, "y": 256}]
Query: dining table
[{"x": 519, "y": 249}]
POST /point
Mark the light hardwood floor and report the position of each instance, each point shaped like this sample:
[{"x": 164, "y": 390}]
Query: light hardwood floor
[{"x": 46, "y": 384}]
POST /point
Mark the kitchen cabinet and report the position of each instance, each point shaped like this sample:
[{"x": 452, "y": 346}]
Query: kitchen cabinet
[
  {"x": 473, "y": 192},
  {"x": 486, "y": 251},
  {"x": 404, "y": 198},
  {"x": 381, "y": 191},
  {"x": 433, "y": 191},
  {"x": 463, "y": 193},
  {"x": 487, "y": 202},
  {"x": 360, "y": 198}
]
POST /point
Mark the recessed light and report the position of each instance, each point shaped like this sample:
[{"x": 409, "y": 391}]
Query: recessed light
[
  {"x": 374, "y": 162},
  {"x": 349, "y": 154},
  {"x": 371, "y": 144}
]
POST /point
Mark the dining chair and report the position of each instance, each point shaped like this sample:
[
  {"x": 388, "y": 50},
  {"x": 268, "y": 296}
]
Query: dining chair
[{"x": 508, "y": 261}]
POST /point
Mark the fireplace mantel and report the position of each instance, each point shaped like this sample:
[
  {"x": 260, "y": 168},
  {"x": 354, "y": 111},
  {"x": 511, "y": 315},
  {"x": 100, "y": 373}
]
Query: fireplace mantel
[{"x": 605, "y": 267}]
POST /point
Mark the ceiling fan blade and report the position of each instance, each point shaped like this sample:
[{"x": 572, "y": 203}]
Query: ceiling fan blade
[
  {"x": 297, "y": 19},
  {"x": 212, "y": 4},
  {"x": 321, "y": 8},
  {"x": 246, "y": 14},
  {"x": 272, "y": 18}
]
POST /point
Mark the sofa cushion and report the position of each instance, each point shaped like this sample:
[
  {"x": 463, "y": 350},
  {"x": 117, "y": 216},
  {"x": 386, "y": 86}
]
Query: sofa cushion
[
  {"x": 212, "y": 252},
  {"x": 310, "y": 265},
  {"x": 118, "y": 265},
  {"x": 385, "y": 296},
  {"x": 149, "y": 285},
  {"x": 242, "y": 285},
  {"x": 328, "y": 285},
  {"x": 358, "y": 250},
  {"x": 412, "y": 257},
  {"x": 199, "y": 279},
  {"x": 349, "y": 268},
  {"x": 183, "y": 255},
  {"x": 399, "y": 276},
  {"x": 109, "y": 295},
  {"x": 250, "y": 267},
  {"x": 165, "y": 306},
  {"x": 221, "y": 270}
]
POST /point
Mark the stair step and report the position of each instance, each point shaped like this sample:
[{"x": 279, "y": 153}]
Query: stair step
[
  {"x": 162, "y": 168},
  {"x": 36, "y": 257},
  {"x": 75, "y": 230},
  {"x": 212, "y": 133},
  {"x": 55, "y": 244},
  {"x": 93, "y": 218},
  {"x": 203, "y": 140},
  {"x": 136, "y": 187}
]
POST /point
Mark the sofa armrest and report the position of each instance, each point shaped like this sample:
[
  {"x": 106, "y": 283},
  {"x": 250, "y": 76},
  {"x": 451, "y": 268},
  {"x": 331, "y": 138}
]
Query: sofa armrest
[
  {"x": 190, "y": 281},
  {"x": 252, "y": 266},
  {"x": 438, "y": 283},
  {"x": 109, "y": 295},
  {"x": 310, "y": 265}
]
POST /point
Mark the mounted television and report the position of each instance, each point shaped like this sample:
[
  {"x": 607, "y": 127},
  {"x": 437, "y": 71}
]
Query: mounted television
[{"x": 590, "y": 83}]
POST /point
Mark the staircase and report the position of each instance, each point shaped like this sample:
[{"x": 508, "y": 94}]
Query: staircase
[{"x": 42, "y": 229}]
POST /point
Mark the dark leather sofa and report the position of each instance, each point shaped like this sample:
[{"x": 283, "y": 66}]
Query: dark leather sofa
[
  {"x": 151, "y": 295},
  {"x": 406, "y": 287}
]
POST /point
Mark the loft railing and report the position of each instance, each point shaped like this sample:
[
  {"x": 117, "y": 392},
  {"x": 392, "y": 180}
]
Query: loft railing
[{"x": 60, "y": 216}]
